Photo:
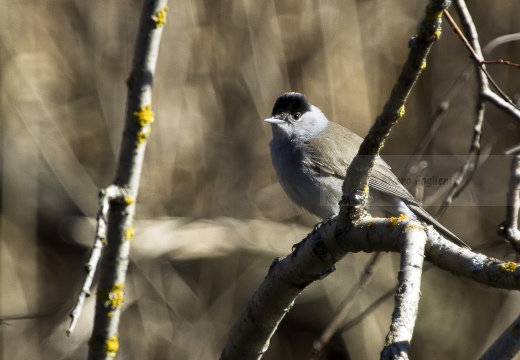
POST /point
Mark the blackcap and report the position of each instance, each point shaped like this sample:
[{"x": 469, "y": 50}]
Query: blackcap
[{"x": 310, "y": 155}]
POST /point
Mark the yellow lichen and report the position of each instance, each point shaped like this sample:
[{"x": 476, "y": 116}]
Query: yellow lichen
[
  {"x": 395, "y": 220},
  {"x": 381, "y": 146},
  {"x": 432, "y": 14},
  {"x": 509, "y": 266},
  {"x": 142, "y": 136},
  {"x": 129, "y": 233},
  {"x": 113, "y": 298},
  {"x": 145, "y": 115},
  {"x": 129, "y": 200},
  {"x": 423, "y": 65},
  {"x": 415, "y": 227},
  {"x": 437, "y": 34},
  {"x": 112, "y": 345},
  {"x": 160, "y": 17},
  {"x": 400, "y": 112}
]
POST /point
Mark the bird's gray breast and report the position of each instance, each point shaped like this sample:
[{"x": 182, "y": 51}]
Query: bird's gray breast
[{"x": 304, "y": 183}]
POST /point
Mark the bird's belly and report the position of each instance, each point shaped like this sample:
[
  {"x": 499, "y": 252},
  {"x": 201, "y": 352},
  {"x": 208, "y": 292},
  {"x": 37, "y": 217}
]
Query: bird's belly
[{"x": 315, "y": 192}]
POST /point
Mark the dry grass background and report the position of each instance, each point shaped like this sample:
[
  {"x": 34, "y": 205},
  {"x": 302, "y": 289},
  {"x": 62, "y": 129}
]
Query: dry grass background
[{"x": 216, "y": 215}]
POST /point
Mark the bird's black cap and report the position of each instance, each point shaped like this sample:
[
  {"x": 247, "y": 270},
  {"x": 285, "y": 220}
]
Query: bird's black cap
[{"x": 291, "y": 102}]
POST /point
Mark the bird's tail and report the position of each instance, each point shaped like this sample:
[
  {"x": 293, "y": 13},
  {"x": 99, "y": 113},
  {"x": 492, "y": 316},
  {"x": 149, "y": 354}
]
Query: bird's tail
[{"x": 422, "y": 214}]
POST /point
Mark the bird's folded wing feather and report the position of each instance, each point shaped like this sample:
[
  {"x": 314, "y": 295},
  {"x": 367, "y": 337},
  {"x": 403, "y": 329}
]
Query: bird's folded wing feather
[{"x": 339, "y": 154}]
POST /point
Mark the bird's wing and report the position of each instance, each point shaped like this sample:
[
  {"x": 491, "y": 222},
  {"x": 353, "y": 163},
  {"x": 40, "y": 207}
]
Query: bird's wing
[
  {"x": 339, "y": 154},
  {"x": 331, "y": 156},
  {"x": 383, "y": 179}
]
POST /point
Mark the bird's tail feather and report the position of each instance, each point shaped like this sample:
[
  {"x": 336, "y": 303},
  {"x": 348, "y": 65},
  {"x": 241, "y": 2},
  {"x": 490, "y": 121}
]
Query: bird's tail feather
[{"x": 421, "y": 213}]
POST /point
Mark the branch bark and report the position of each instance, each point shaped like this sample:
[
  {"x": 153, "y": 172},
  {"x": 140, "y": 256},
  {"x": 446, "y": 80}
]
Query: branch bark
[
  {"x": 318, "y": 253},
  {"x": 355, "y": 186},
  {"x": 120, "y": 198},
  {"x": 397, "y": 343}
]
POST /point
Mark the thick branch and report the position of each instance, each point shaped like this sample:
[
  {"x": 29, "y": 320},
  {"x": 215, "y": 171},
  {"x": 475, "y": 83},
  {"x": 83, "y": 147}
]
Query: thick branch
[
  {"x": 112, "y": 193},
  {"x": 104, "y": 342},
  {"x": 397, "y": 343},
  {"x": 318, "y": 253}
]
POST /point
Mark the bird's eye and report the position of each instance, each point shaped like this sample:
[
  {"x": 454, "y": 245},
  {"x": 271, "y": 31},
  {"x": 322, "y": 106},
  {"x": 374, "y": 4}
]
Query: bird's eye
[{"x": 297, "y": 116}]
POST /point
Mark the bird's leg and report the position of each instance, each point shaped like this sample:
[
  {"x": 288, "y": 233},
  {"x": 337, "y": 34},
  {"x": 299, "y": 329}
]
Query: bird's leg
[{"x": 316, "y": 228}]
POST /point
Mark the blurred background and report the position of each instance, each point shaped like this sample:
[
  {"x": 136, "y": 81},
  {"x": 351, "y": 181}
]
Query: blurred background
[{"x": 211, "y": 216}]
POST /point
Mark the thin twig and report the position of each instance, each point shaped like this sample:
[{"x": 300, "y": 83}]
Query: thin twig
[
  {"x": 474, "y": 54},
  {"x": 470, "y": 165},
  {"x": 107, "y": 195},
  {"x": 444, "y": 105},
  {"x": 502, "y": 104}
]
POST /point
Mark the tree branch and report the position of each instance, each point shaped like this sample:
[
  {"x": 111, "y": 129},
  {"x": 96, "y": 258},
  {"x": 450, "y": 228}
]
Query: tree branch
[
  {"x": 355, "y": 187},
  {"x": 397, "y": 343},
  {"x": 112, "y": 193},
  {"x": 120, "y": 198},
  {"x": 318, "y": 253}
]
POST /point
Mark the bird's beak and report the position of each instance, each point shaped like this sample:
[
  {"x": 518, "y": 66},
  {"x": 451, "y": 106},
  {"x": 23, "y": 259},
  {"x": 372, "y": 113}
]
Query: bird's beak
[{"x": 274, "y": 121}]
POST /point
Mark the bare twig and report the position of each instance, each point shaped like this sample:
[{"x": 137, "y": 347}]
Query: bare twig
[
  {"x": 471, "y": 163},
  {"x": 112, "y": 193},
  {"x": 476, "y": 53},
  {"x": 444, "y": 105},
  {"x": 502, "y": 104},
  {"x": 478, "y": 57}
]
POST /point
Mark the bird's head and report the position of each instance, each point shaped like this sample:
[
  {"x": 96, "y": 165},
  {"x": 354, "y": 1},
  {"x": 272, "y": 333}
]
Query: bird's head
[{"x": 294, "y": 118}]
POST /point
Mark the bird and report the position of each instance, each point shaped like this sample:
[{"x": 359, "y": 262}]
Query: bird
[{"x": 310, "y": 155}]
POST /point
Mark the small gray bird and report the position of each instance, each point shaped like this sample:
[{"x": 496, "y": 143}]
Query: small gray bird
[{"x": 310, "y": 155}]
